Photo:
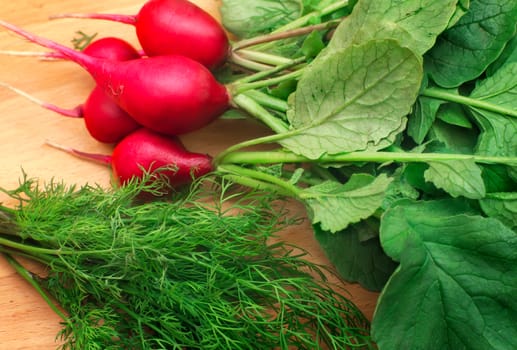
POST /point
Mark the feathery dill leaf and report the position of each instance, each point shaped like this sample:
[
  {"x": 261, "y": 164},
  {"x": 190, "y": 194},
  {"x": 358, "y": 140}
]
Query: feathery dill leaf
[{"x": 198, "y": 271}]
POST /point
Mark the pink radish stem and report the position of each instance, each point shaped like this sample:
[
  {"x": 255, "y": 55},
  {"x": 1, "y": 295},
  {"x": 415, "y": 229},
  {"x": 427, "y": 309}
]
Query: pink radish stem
[
  {"x": 83, "y": 60},
  {"x": 96, "y": 157},
  {"x": 73, "y": 113},
  {"x": 127, "y": 19}
]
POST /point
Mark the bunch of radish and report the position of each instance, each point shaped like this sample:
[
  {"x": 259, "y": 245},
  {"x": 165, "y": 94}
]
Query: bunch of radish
[{"x": 142, "y": 102}]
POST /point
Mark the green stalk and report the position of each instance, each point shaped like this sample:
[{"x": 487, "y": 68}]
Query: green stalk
[
  {"x": 240, "y": 88},
  {"x": 453, "y": 97},
  {"x": 248, "y": 64},
  {"x": 22, "y": 271},
  {"x": 258, "y": 185},
  {"x": 274, "y": 157},
  {"x": 29, "y": 249},
  {"x": 263, "y": 57},
  {"x": 268, "y": 101},
  {"x": 251, "y": 106},
  {"x": 302, "y": 21},
  {"x": 284, "y": 34},
  {"x": 42, "y": 259},
  {"x": 269, "y": 72},
  {"x": 38, "y": 252},
  {"x": 249, "y": 177}
]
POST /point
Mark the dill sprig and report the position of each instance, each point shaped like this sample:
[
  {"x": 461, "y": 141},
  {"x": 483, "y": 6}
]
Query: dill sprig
[{"x": 201, "y": 271}]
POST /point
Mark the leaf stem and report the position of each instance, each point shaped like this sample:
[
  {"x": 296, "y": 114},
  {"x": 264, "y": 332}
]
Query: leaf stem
[
  {"x": 286, "y": 32},
  {"x": 302, "y": 21},
  {"x": 269, "y": 72},
  {"x": 246, "y": 63},
  {"x": 263, "y": 57},
  {"x": 250, "y": 105},
  {"x": 240, "y": 88},
  {"x": 268, "y": 101},
  {"x": 285, "y": 187},
  {"x": 274, "y": 157},
  {"x": 441, "y": 94}
]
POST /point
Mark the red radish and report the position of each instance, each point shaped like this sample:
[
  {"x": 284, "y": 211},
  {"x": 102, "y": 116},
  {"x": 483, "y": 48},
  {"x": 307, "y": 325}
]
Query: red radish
[
  {"x": 165, "y": 27},
  {"x": 144, "y": 151},
  {"x": 170, "y": 94},
  {"x": 112, "y": 48},
  {"x": 105, "y": 120}
]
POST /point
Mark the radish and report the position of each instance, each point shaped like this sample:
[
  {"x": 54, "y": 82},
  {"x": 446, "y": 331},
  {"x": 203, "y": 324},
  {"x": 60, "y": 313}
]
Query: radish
[
  {"x": 180, "y": 27},
  {"x": 144, "y": 151},
  {"x": 170, "y": 94},
  {"x": 112, "y": 48},
  {"x": 105, "y": 121}
]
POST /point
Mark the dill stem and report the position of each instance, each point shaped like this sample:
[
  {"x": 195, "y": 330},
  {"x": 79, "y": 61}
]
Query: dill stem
[
  {"x": 22, "y": 271},
  {"x": 29, "y": 248}
]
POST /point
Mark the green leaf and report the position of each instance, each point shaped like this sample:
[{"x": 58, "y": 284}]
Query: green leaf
[
  {"x": 461, "y": 9},
  {"x": 312, "y": 45},
  {"x": 246, "y": 18},
  {"x": 394, "y": 244},
  {"x": 422, "y": 118},
  {"x": 452, "y": 139},
  {"x": 454, "y": 114},
  {"x": 456, "y": 284},
  {"x": 357, "y": 260},
  {"x": 464, "y": 51},
  {"x": 413, "y": 173},
  {"x": 502, "y": 206},
  {"x": 500, "y": 88},
  {"x": 498, "y": 132},
  {"x": 399, "y": 189},
  {"x": 356, "y": 200},
  {"x": 353, "y": 99},
  {"x": 497, "y": 178},
  {"x": 457, "y": 177},
  {"x": 414, "y": 23},
  {"x": 509, "y": 55}
]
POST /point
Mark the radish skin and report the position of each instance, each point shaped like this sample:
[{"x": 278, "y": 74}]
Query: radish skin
[
  {"x": 112, "y": 48},
  {"x": 169, "y": 94},
  {"x": 144, "y": 151},
  {"x": 178, "y": 27}
]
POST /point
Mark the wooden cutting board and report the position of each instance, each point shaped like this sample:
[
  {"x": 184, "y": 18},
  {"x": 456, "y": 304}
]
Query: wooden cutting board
[{"x": 26, "y": 322}]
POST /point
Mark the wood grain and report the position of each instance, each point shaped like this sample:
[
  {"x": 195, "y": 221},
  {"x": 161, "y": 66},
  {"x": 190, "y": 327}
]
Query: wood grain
[{"x": 26, "y": 322}]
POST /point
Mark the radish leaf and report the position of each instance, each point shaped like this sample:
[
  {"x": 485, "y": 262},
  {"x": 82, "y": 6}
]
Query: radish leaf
[
  {"x": 502, "y": 206},
  {"x": 359, "y": 198},
  {"x": 457, "y": 177},
  {"x": 422, "y": 118},
  {"x": 353, "y": 99},
  {"x": 464, "y": 51},
  {"x": 246, "y": 18},
  {"x": 456, "y": 284},
  {"x": 499, "y": 136},
  {"x": 355, "y": 259},
  {"x": 415, "y": 23}
]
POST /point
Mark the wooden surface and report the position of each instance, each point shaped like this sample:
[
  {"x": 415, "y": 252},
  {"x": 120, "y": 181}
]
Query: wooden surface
[{"x": 26, "y": 322}]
